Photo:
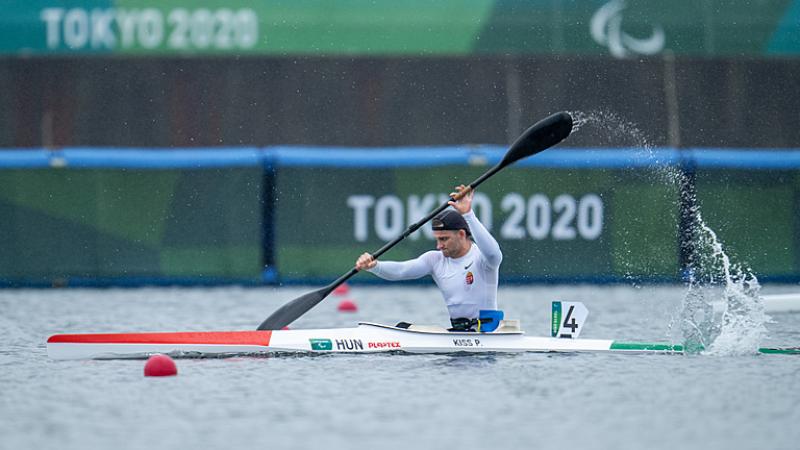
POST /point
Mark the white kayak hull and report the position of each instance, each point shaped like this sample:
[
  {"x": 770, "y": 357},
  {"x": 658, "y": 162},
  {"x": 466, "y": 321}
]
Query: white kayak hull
[{"x": 366, "y": 338}]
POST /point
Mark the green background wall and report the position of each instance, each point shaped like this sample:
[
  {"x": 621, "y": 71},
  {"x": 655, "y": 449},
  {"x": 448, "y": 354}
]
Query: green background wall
[{"x": 66, "y": 224}]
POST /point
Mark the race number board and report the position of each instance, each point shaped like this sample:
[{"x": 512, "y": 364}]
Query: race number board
[{"x": 567, "y": 319}]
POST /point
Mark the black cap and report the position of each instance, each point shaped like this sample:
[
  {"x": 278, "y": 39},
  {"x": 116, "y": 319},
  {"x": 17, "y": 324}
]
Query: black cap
[{"x": 449, "y": 220}]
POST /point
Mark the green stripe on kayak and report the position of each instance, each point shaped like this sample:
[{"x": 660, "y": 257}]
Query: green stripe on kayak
[
  {"x": 781, "y": 351},
  {"x": 678, "y": 348},
  {"x": 646, "y": 346}
]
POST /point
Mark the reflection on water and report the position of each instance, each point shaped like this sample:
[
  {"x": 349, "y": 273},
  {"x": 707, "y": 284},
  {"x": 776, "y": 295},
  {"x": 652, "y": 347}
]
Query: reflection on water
[{"x": 467, "y": 361}]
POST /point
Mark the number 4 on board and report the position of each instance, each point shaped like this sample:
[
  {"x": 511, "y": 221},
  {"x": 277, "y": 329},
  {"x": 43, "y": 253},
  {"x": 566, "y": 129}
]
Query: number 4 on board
[{"x": 568, "y": 325}]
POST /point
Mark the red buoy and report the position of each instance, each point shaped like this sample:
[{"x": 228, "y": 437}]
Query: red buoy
[
  {"x": 342, "y": 289},
  {"x": 160, "y": 366},
  {"x": 347, "y": 305}
]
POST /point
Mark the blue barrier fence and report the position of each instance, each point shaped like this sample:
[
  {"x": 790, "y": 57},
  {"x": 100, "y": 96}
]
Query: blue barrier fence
[{"x": 200, "y": 158}]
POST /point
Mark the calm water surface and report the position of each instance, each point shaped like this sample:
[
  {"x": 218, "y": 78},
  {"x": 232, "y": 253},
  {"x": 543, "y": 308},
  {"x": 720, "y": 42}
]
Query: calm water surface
[{"x": 386, "y": 401}]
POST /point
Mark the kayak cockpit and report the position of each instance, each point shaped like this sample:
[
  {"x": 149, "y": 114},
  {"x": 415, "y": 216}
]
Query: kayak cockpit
[{"x": 505, "y": 327}]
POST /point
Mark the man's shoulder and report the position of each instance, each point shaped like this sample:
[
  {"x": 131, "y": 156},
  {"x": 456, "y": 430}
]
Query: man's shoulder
[{"x": 432, "y": 256}]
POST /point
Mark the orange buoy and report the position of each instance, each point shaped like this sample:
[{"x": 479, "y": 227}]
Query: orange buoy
[
  {"x": 342, "y": 289},
  {"x": 160, "y": 366},
  {"x": 347, "y": 305}
]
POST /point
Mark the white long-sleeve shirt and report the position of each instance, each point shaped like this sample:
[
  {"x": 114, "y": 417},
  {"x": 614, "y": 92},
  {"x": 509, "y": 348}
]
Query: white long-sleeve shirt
[{"x": 468, "y": 283}]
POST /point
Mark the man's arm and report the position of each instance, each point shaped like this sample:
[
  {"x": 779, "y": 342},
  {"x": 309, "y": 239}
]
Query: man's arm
[
  {"x": 395, "y": 271},
  {"x": 484, "y": 240}
]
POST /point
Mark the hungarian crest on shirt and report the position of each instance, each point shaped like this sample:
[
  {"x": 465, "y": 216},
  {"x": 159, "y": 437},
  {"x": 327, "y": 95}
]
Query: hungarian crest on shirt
[{"x": 469, "y": 278}]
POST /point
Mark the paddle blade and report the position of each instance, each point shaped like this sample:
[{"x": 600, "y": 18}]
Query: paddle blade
[
  {"x": 289, "y": 312},
  {"x": 542, "y": 135}
]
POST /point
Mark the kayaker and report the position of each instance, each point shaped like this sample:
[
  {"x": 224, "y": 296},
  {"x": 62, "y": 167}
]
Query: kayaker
[{"x": 465, "y": 264}]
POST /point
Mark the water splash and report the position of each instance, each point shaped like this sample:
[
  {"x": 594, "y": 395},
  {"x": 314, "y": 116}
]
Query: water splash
[
  {"x": 611, "y": 125},
  {"x": 718, "y": 285},
  {"x": 721, "y": 312},
  {"x": 620, "y": 132}
]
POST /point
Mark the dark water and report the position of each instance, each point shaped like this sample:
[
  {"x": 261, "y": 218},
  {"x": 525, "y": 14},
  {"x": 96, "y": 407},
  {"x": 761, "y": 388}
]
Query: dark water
[{"x": 387, "y": 401}]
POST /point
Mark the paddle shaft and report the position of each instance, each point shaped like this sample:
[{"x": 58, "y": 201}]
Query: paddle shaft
[
  {"x": 417, "y": 225},
  {"x": 414, "y": 227}
]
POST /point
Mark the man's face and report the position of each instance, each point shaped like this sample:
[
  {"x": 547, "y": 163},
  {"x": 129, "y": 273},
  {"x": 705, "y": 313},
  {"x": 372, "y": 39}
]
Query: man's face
[{"x": 450, "y": 242}]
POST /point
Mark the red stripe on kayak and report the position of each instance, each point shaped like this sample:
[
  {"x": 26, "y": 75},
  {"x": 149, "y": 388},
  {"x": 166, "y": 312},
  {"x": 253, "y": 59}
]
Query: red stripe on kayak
[{"x": 199, "y": 337}]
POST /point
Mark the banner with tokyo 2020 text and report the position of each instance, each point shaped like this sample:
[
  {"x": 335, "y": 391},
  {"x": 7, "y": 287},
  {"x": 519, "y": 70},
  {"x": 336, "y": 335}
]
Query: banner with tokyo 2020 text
[
  {"x": 618, "y": 28},
  {"x": 552, "y": 223}
]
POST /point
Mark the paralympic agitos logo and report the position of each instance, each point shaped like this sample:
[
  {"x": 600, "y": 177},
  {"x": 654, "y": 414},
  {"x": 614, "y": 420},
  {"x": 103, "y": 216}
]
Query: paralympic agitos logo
[{"x": 606, "y": 29}]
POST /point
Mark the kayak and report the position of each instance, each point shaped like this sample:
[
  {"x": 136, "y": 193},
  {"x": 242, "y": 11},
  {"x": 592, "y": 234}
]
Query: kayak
[
  {"x": 365, "y": 338},
  {"x": 567, "y": 320}
]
